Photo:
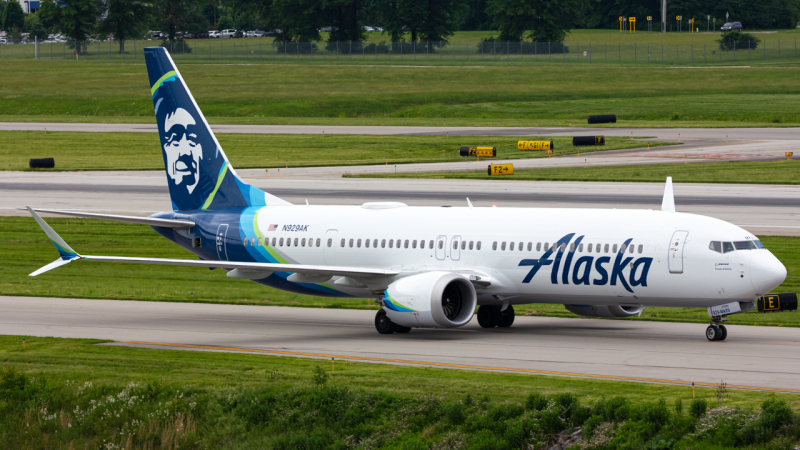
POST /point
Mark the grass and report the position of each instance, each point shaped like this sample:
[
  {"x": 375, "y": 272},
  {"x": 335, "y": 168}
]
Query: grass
[
  {"x": 72, "y": 393},
  {"x": 740, "y": 172},
  {"x": 139, "y": 151},
  {"x": 273, "y": 94},
  {"x": 26, "y": 248}
]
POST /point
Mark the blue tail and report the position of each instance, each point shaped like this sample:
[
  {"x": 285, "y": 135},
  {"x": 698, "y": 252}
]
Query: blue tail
[{"x": 198, "y": 172}]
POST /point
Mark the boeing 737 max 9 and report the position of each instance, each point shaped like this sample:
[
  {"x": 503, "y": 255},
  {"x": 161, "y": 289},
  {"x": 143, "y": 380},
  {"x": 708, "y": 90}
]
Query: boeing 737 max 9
[{"x": 433, "y": 266}]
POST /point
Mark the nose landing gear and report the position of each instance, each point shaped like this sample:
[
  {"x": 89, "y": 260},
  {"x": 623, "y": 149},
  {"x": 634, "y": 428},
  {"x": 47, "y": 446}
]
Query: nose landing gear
[{"x": 716, "y": 332}]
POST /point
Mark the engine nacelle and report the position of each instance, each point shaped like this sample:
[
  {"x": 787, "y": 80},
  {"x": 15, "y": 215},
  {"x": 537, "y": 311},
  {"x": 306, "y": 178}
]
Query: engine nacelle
[
  {"x": 612, "y": 311},
  {"x": 433, "y": 299}
]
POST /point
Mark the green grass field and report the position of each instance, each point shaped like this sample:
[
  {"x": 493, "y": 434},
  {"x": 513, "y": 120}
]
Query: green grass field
[
  {"x": 140, "y": 151},
  {"x": 740, "y": 172},
  {"x": 26, "y": 249},
  {"x": 40, "y": 91},
  {"x": 71, "y": 393}
]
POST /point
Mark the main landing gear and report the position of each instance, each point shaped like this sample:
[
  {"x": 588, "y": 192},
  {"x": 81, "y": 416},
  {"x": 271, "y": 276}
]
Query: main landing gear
[
  {"x": 386, "y": 326},
  {"x": 716, "y": 331},
  {"x": 490, "y": 316}
]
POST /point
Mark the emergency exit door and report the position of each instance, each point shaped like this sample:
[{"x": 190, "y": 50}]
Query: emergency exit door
[{"x": 676, "y": 246}]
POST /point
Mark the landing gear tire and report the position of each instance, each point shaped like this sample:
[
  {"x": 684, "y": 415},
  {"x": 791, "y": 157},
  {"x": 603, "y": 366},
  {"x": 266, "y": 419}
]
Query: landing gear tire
[
  {"x": 713, "y": 333},
  {"x": 506, "y": 317},
  {"x": 399, "y": 329},
  {"x": 723, "y": 333},
  {"x": 488, "y": 316},
  {"x": 383, "y": 324}
]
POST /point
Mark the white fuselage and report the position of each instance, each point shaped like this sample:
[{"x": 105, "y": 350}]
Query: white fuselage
[{"x": 666, "y": 262}]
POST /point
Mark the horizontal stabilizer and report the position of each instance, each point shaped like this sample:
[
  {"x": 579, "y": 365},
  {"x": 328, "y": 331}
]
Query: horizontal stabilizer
[
  {"x": 152, "y": 221},
  {"x": 57, "y": 263}
]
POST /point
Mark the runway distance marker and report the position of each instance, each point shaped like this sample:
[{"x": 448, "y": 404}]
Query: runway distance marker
[{"x": 457, "y": 366}]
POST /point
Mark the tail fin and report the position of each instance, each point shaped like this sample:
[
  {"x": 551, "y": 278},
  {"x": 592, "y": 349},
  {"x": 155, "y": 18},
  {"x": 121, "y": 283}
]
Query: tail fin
[{"x": 198, "y": 172}]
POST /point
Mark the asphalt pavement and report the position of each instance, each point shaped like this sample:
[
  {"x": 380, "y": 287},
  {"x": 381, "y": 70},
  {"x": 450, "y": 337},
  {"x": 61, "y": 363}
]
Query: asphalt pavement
[{"x": 761, "y": 358}]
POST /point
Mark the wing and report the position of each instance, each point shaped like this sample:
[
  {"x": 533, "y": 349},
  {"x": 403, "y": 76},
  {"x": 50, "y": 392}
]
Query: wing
[
  {"x": 68, "y": 255},
  {"x": 152, "y": 221}
]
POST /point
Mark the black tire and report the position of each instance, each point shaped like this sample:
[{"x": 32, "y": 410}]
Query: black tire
[
  {"x": 506, "y": 317},
  {"x": 383, "y": 324},
  {"x": 723, "y": 333},
  {"x": 488, "y": 316},
  {"x": 713, "y": 333},
  {"x": 399, "y": 329}
]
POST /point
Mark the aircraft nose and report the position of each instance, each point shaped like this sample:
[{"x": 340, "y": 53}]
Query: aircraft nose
[{"x": 766, "y": 271}]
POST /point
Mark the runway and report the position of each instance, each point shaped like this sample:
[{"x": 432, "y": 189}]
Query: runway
[
  {"x": 762, "y": 209},
  {"x": 763, "y": 358}
]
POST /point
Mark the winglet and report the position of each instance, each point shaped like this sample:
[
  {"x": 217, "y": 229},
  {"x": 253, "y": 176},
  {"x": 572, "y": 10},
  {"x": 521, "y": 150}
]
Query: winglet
[
  {"x": 65, "y": 251},
  {"x": 668, "y": 203}
]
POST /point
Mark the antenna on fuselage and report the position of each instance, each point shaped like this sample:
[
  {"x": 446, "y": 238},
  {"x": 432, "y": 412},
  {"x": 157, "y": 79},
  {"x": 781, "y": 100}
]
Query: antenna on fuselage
[
  {"x": 668, "y": 203},
  {"x": 469, "y": 203}
]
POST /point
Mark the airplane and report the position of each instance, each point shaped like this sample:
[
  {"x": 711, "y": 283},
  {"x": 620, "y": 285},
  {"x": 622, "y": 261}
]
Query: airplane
[{"x": 432, "y": 267}]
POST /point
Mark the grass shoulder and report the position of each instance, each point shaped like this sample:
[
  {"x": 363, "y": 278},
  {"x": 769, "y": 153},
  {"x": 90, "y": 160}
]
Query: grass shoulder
[
  {"x": 738, "y": 172},
  {"x": 140, "y": 151}
]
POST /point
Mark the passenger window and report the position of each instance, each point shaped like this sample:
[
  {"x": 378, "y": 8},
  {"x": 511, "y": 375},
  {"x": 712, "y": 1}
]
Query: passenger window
[
  {"x": 510, "y": 246},
  {"x": 405, "y": 244},
  {"x": 580, "y": 248},
  {"x": 258, "y": 242},
  {"x": 422, "y": 243},
  {"x": 252, "y": 242},
  {"x": 441, "y": 245},
  {"x": 455, "y": 245},
  {"x": 330, "y": 242},
  {"x": 383, "y": 243},
  {"x": 295, "y": 242},
  {"x": 520, "y": 246},
  {"x": 358, "y": 243},
  {"x": 605, "y": 250},
  {"x": 478, "y": 245},
  {"x": 303, "y": 242},
  {"x": 470, "y": 244},
  {"x": 288, "y": 242},
  {"x": 589, "y": 248},
  {"x": 546, "y": 246},
  {"x": 391, "y": 243},
  {"x": 281, "y": 242},
  {"x": 375, "y": 243},
  {"x": 430, "y": 243},
  {"x": 630, "y": 248},
  {"x": 614, "y": 250},
  {"x": 463, "y": 245},
  {"x": 414, "y": 243},
  {"x": 715, "y": 246},
  {"x": 530, "y": 246},
  {"x": 494, "y": 245},
  {"x": 538, "y": 246},
  {"x": 727, "y": 247},
  {"x": 274, "y": 241},
  {"x": 503, "y": 246},
  {"x": 641, "y": 248},
  {"x": 572, "y": 247},
  {"x": 366, "y": 243},
  {"x": 342, "y": 242}
]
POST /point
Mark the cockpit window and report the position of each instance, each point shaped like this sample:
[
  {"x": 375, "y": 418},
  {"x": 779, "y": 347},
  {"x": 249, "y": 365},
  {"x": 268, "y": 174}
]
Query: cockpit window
[
  {"x": 759, "y": 244},
  {"x": 743, "y": 245},
  {"x": 727, "y": 247},
  {"x": 715, "y": 246}
]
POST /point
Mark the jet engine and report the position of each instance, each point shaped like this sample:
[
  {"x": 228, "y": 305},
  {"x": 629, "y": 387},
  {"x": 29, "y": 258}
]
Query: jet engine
[
  {"x": 611, "y": 311},
  {"x": 433, "y": 299}
]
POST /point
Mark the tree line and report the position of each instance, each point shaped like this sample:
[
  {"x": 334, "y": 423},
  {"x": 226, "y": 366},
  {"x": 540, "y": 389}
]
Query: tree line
[{"x": 400, "y": 20}]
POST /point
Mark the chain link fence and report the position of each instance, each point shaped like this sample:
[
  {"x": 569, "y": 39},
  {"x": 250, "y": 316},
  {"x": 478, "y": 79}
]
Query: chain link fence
[{"x": 266, "y": 51}]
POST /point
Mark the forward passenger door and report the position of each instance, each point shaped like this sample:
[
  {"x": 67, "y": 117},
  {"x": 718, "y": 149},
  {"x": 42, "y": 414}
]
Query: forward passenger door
[{"x": 675, "y": 256}]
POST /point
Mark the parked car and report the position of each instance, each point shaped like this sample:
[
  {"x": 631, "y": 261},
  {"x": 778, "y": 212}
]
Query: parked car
[
  {"x": 732, "y": 26},
  {"x": 213, "y": 34},
  {"x": 227, "y": 33},
  {"x": 255, "y": 33},
  {"x": 272, "y": 33}
]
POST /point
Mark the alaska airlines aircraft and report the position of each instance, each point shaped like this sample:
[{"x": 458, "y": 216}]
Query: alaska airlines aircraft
[{"x": 433, "y": 266}]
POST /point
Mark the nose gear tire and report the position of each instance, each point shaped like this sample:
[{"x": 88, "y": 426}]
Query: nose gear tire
[{"x": 713, "y": 333}]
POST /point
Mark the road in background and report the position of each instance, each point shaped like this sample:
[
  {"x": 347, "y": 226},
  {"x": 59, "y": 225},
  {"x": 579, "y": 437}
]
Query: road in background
[
  {"x": 756, "y": 357},
  {"x": 763, "y": 209}
]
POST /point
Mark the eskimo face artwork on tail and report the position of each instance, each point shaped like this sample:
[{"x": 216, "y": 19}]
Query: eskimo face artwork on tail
[{"x": 182, "y": 150}]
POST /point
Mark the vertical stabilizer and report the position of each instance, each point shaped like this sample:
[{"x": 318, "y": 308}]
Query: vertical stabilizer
[
  {"x": 668, "y": 203},
  {"x": 198, "y": 172}
]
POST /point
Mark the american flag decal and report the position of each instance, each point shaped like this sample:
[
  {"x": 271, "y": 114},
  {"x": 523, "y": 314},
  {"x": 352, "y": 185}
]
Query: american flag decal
[{"x": 273, "y": 227}]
